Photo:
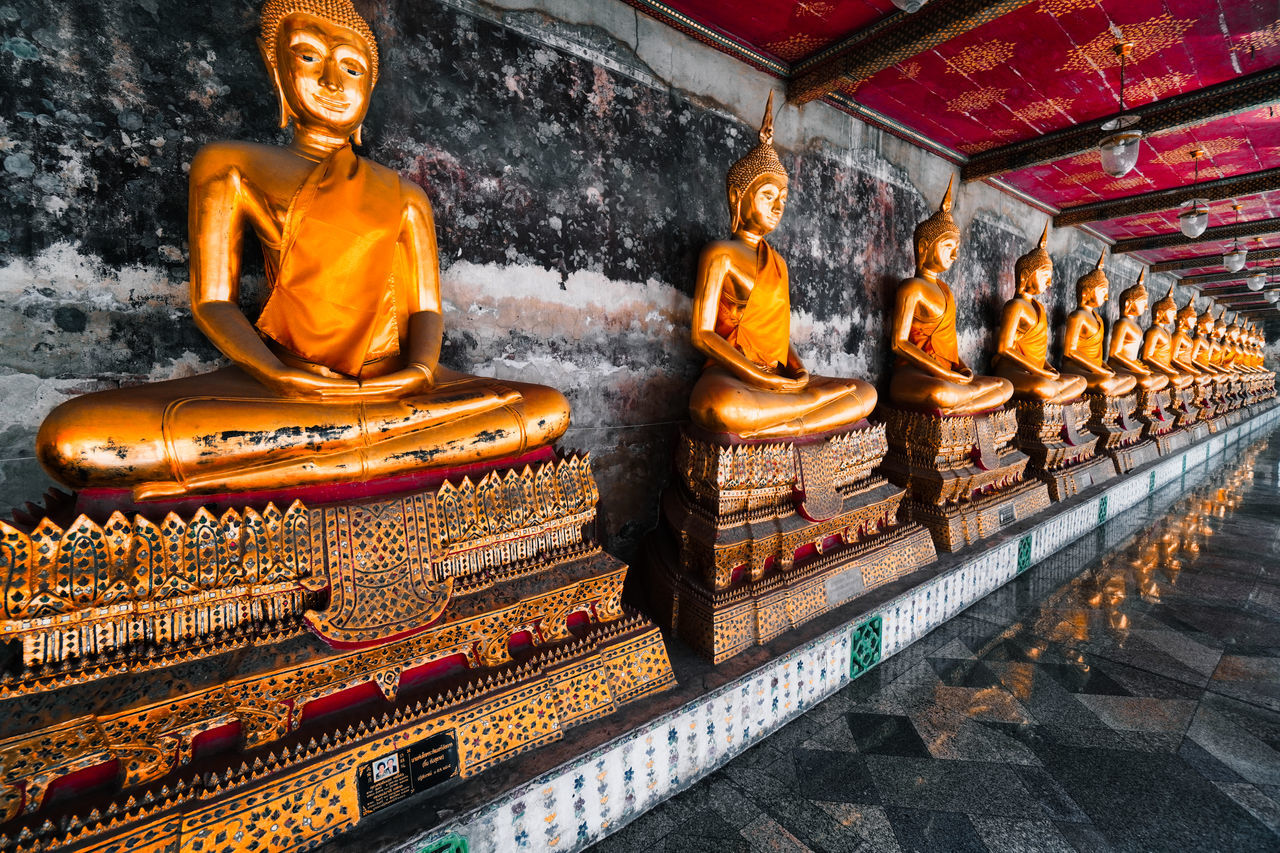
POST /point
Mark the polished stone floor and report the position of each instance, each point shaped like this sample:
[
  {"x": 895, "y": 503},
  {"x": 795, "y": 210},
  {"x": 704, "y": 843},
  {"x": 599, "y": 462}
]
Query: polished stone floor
[{"x": 1122, "y": 695}]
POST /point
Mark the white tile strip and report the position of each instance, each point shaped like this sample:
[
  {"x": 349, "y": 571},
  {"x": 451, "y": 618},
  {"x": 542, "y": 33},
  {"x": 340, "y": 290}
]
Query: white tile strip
[{"x": 596, "y": 793}]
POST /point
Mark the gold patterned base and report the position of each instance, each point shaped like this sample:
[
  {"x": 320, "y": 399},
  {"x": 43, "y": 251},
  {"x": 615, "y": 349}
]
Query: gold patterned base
[
  {"x": 964, "y": 474},
  {"x": 1062, "y": 452},
  {"x": 1133, "y": 456},
  {"x": 956, "y": 525},
  {"x": 1112, "y": 420},
  {"x": 751, "y": 531},
  {"x": 720, "y": 624},
  {"x": 1173, "y": 441},
  {"x": 303, "y": 786},
  {"x": 1153, "y": 412},
  {"x": 482, "y": 608}
]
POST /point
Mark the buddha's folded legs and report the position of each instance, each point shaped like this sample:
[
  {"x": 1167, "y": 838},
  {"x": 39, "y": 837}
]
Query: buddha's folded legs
[
  {"x": 223, "y": 431},
  {"x": 914, "y": 389},
  {"x": 1027, "y": 386},
  {"x": 1108, "y": 384},
  {"x": 1149, "y": 382},
  {"x": 722, "y": 403}
]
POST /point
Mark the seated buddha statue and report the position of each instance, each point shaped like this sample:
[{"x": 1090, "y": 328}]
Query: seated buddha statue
[
  {"x": 1023, "y": 344},
  {"x": 1184, "y": 344},
  {"x": 754, "y": 384},
  {"x": 1157, "y": 343},
  {"x": 1126, "y": 340},
  {"x": 1082, "y": 347},
  {"x": 929, "y": 375},
  {"x": 1202, "y": 353},
  {"x": 339, "y": 379}
]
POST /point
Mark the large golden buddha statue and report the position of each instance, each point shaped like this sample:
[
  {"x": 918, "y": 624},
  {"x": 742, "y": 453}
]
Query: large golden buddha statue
[
  {"x": 1157, "y": 344},
  {"x": 1184, "y": 343},
  {"x": 1085, "y": 333},
  {"x": 339, "y": 379},
  {"x": 754, "y": 384},
  {"x": 1022, "y": 348},
  {"x": 1123, "y": 355},
  {"x": 929, "y": 375}
]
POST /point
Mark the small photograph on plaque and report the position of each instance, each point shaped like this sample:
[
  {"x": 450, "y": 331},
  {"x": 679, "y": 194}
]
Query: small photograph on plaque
[
  {"x": 410, "y": 770},
  {"x": 385, "y": 767}
]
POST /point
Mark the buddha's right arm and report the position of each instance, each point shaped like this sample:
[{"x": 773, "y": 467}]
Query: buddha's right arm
[
  {"x": 713, "y": 268},
  {"x": 1007, "y": 343},
  {"x": 903, "y": 316}
]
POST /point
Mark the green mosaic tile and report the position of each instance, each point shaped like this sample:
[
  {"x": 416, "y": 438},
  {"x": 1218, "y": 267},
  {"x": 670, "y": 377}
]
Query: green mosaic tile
[
  {"x": 1024, "y": 554},
  {"x": 864, "y": 650},
  {"x": 1102, "y": 510},
  {"x": 1184, "y": 463},
  {"x": 1151, "y": 483},
  {"x": 449, "y": 844}
]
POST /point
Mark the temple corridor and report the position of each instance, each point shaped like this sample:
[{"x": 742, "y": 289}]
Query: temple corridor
[{"x": 1111, "y": 698}]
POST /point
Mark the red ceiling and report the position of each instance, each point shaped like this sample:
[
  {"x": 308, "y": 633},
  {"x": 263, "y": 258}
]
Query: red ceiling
[{"x": 1046, "y": 66}]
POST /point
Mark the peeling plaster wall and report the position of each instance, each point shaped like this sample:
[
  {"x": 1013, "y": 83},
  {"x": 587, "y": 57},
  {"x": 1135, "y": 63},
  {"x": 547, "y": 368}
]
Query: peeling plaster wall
[{"x": 574, "y": 151}]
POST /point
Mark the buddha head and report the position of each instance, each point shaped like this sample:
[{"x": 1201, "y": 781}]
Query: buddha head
[
  {"x": 1034, "y": 270},
  {"x": 1163, "y": 311},
  {"x": 937, "y": 238},
  {"x": 1204, "y": 325},
  {"x": 756, "y": 185},
  {"x": 1220, "y": 326},
  {"x": 1092, "y": 287},
  {"x": 323, "y": 62},
  {"x": 1187, "y": 317},
  {"x": 1133, "y": 301}
]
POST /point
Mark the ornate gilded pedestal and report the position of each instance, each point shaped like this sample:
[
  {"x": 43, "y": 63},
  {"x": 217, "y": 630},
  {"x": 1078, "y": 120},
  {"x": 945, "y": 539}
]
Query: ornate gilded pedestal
[
  {"x": 761, "y": 536},
  {"x": 963, "y": 473},
  {"x": 259, "y": 679},
  {"x": 1062, "y": 452},
  {"x": 1188, "y": 418},
  {"x": 1120, "y": 433},
  {"x": 1159, "y": 421}
]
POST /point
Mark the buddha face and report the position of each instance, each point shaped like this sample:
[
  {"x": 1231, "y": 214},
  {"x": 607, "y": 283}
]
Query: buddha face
[
  {"x": 1037, "y": 280},
  {"x": 761, "y": 208},
  {"x": 323, "y": 71},
  {"x": 942, "y": 254},
  {"x": 1163, "y": 315},
  {"x": 1135, "y": 306}
]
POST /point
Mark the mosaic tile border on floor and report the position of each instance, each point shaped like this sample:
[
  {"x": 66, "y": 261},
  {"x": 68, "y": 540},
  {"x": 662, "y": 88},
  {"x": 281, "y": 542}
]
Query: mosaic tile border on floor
[{"x": 599, "y": 792}]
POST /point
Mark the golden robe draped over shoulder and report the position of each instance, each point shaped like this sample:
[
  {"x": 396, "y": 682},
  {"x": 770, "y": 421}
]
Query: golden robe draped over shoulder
[
  {"x": 761, "y": 330},
  {"x": 1034, "y": 342},
  {"x": 1089, "y": 347},
  {"x": 334, "y": 299},
  {"x": 937, "y": 335}
]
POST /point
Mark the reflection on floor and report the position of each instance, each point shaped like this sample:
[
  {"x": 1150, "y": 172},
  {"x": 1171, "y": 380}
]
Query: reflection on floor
[{"x": 1127, "y": 700}]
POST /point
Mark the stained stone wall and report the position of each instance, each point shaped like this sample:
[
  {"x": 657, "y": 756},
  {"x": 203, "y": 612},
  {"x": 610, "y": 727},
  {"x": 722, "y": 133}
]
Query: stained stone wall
[{"x": 574, "y": 151}]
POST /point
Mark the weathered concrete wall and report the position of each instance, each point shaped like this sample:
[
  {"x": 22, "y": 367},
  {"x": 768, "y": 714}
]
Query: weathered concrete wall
[{"x": 575, "y": 153}]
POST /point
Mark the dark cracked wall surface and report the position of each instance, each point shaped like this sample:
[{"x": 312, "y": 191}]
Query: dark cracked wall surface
[{"x": 571, "y": 197}]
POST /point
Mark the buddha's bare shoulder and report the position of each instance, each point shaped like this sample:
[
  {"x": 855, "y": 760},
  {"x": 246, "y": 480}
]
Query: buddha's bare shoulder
[{"x": 246, "y": 158}]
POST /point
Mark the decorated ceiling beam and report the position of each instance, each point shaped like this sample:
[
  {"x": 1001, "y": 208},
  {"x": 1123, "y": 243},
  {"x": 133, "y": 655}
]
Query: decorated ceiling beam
[
  {"x": 1211, "y": 261},
  {"x": 1234, "y": 292},
  {"x": 1220, "y": 277},
  {"x": 1232, "y": 187},
  {"x": 1221, "y": 232},
  {"x": 1190, "y": 108},
  {"x": 899, "y": 37}
]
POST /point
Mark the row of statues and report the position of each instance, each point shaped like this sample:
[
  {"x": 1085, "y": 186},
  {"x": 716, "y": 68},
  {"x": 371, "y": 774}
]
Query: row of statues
[{"x": 435, "y": 540}]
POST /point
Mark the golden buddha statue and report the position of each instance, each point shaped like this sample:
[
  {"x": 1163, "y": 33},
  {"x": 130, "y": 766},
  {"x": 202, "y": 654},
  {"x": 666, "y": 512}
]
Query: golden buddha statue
[
  {"x": 929, "y": 375},
  {"x": 1023, "y": 344},
  {"x": 1184, "y": 344},
  {"x": 339, "y": 379},
  {"x": 1202, "y": 353},
  {"x": 1085, "y": 334},
  {"x": 1157, "y": 344},
  {"x": 1126, "y": 340},
  {"x": 754, "y": 384}
]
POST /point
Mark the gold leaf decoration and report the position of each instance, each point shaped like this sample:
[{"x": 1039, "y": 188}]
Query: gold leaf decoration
[
  {"x": 1041, "y": 110},
  {"x": 1258, "y": 39},
  {"x": 1155, "y": 88},
  {"x": 910, "y": 69},
  {"x": 795, "y": 46},
  {"x": 976, "y": 100},
  {"x": 1062, "y": 7},
  {"x": 981, "y": 57},
  {"x": 1149, "y": 38}
]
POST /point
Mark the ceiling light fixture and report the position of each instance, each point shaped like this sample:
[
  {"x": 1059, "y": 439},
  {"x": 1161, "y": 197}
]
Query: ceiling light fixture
[
  {"x": 1119, "y": 148},
  {"x": 1234, "y": 260},
  {"x": 1194, "y": 217},
  {"x": 1257, "y": 281}
]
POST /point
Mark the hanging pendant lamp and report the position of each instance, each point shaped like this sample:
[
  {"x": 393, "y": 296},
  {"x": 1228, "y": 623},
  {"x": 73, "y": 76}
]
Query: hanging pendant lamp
[
  {"x": 1194, "y": 218},
  {"x": 1118, "y": 150},
  {"x": 1235, "y": 259}
]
